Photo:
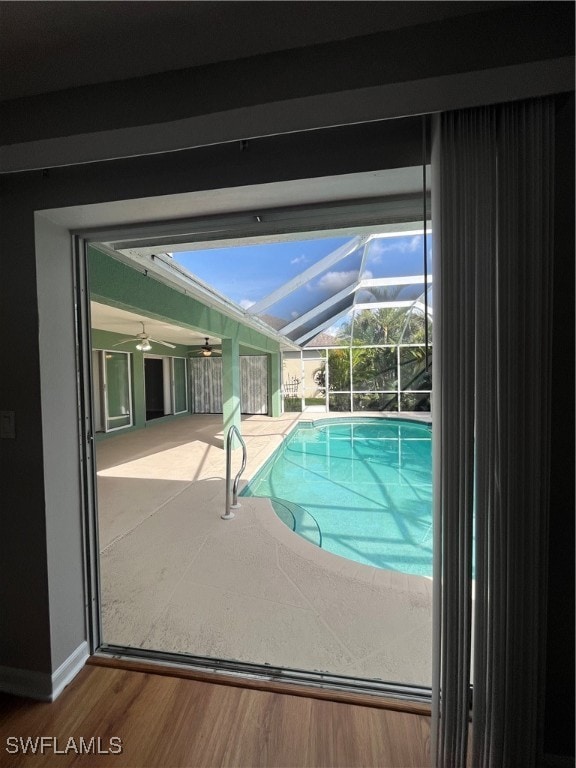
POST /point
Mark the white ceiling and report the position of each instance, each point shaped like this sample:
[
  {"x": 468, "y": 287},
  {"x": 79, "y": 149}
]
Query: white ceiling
[
  {"x": 107, "y": 318},
  {"x": 50, "y": 46}
]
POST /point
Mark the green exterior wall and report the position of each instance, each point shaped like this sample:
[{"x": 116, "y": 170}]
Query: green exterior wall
[
  {"x": 275, "y": 384},
  {"x": 231, "y": 385},
  {"x": 107, "y": 340},
  {"x": 116, "y": 284}
]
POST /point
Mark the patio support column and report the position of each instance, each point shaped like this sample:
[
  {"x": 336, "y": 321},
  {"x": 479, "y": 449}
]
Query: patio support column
[
  {"x": 231, "y": 385},
  {"x": 275, "y": 383}
]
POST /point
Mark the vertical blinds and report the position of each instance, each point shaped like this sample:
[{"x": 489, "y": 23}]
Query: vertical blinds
[{"x": 492, "y": 214}]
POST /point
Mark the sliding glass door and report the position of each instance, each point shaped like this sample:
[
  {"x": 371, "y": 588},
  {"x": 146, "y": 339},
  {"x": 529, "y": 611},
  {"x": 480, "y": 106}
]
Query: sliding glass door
[{"x": 179, "y": 385}]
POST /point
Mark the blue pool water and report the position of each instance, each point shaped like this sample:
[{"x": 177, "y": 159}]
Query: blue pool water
[{"x": 361, "y": 488}]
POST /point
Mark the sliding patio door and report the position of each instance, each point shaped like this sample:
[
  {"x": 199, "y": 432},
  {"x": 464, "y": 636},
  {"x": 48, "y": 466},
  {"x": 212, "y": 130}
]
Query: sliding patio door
[
  {"x": 262, "y": 593},
  {"x": 179, "y": 385}
]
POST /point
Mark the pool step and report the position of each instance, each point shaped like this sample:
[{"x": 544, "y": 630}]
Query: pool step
[{"x": 298, "y": 520}]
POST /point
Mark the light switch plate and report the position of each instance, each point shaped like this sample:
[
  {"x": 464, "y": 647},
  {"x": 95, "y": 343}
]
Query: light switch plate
[{"x": 7, "y": 425}]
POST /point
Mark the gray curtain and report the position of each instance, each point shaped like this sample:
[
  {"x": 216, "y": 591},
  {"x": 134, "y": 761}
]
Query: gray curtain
[
  {"x": 254, "y": 384},
  {"x": 206, "y": 375},
  {"x": 206, "y": 384}
]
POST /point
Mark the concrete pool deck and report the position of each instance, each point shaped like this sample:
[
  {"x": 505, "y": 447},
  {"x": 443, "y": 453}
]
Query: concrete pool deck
[{"x": 175, "y": 577}]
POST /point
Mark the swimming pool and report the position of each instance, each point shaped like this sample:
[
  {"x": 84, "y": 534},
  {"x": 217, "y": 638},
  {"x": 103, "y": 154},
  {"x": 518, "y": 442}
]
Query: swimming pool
[{"x": 360, "y": 488}]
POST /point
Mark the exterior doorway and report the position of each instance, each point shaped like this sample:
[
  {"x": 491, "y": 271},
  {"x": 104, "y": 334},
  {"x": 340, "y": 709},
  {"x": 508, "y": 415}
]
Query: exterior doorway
[
  {"x": 165, "y": 384},
  {"x": 154, "y": 384}
]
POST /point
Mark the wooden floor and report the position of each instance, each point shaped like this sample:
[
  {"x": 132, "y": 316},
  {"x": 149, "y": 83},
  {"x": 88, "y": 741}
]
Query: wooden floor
[{"x": 172, "y": 722}]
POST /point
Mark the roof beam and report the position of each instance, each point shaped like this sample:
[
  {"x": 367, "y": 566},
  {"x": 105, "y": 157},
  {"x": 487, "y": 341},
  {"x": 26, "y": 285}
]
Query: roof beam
[
  {"x": 423, "y": 307},
  {"x": 392, "y": 305},
  {"x": 377, "y": 282},
  {"x": 384, "y": 305}
]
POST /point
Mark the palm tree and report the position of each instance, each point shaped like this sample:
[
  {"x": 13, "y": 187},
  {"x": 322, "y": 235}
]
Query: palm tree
[{"x": 387, "y": 325}]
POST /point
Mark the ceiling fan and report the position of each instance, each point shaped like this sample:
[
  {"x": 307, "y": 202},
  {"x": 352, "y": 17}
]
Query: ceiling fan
[
  {"x": 144, "y": 340},
  {"x": 207, "y": 350}
]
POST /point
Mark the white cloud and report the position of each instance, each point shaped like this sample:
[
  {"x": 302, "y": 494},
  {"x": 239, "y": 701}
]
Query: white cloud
[
  {"x": 298, "y": 259},
  {"x": 336, "y": 281},
  {"x": 336, "y": 328},
  {"x": 294, "y": 315},
  {"x": 402, "y": 246},
  {"x": 246, "y": 303}
]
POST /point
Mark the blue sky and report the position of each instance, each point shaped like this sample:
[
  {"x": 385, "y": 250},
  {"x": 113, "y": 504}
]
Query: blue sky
[{"x": 247, "y": 274}]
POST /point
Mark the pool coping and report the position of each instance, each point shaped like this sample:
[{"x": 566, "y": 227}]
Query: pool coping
[{"x": 344, "y": 566}]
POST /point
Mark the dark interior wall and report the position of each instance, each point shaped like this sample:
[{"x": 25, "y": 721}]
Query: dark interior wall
[
  {"x": 348, "y": 149},
  {"x": 559, "y": 720},
  {"x": 23, "y": 558},
  {"x": 498, "y": 37}
]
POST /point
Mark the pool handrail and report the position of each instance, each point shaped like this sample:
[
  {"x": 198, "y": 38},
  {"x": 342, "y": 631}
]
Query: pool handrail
[{"x": 232, "y": 493}]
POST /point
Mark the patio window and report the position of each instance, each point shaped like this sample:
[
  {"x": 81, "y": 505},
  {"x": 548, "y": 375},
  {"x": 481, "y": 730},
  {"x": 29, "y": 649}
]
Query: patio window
[{"x": 112, "y": 390}]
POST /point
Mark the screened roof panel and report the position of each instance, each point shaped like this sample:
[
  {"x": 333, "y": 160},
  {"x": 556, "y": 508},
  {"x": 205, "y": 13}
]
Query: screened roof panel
[
  {"x": 303, "y": 288},
  {"x": 319, "y": 289},
  {"x": 321, "y": 320},
  {"x": 245, "y": 274},
  {"x": 394, "y": 256}
]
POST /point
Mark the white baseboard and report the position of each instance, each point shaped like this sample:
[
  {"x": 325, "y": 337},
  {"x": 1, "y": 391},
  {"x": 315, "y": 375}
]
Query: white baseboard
[
  {"x": 43, "y": 686},
  {"x": 68, "y": 670}
]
